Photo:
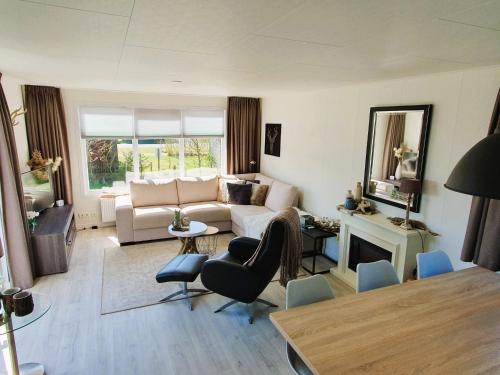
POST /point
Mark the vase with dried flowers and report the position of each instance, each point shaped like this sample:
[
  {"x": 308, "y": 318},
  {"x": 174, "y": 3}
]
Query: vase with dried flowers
[
  {"x": 37, "y": 161},
  {"x": 398, "y": 154}
]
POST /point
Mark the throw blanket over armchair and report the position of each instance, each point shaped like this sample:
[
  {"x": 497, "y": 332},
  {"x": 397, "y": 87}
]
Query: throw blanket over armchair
[{"x": 249, "y": 265}]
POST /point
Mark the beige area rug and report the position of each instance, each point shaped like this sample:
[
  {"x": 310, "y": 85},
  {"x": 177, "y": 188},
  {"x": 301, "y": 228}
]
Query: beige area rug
[{"x": 128, "y": 277}]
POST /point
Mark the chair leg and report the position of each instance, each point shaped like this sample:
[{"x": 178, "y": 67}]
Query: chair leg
[
  {"x": 270, "y": 304},
  {"x": 185, "y": 291},
  {"x": 250, "y": 307},
  {"x": 250, "y": 312},
  {"x": 230, "y": 303}
]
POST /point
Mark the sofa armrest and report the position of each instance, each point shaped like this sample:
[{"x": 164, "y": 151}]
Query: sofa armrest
[
  {"x": 124, "y": 219},
  {"x": 231, "y": 280},
  {"x": 243, "y": 247}
]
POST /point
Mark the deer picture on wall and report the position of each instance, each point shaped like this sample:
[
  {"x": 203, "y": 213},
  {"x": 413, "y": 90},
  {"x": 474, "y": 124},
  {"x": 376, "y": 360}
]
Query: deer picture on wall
[{"x": 273, "y": 139}]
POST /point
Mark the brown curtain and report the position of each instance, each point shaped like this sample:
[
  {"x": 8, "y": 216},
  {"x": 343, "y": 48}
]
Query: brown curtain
[
  {"x": 17, "y": 238},
  {"x": 482, "y": 239},
  {"x": 394, "y": 137},
  {"x": 46, "y": 128},
  {"x": 243, "y": 135}
]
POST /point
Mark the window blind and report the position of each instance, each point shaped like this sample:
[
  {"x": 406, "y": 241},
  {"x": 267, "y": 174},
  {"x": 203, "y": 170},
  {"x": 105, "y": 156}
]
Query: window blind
[
  {"x": 152, "y": 123},
  {"x": 98, "y": 122},
  {"x": 203, "y": 123}
]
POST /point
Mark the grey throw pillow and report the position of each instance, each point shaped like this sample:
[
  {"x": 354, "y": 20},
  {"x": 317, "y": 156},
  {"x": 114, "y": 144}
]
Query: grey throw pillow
[{"x": 239, "y": 194}]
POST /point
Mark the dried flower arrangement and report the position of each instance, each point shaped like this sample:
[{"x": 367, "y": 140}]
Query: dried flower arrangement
[
  {"x": 327, "y": 224},
  {"x": 414, "y": 223},
  {"x": 37, "y": 162},
  {"x": 399, "y": 152}
]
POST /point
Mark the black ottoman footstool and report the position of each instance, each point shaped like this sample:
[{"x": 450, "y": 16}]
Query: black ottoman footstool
[{"x": 184, "y": 268}]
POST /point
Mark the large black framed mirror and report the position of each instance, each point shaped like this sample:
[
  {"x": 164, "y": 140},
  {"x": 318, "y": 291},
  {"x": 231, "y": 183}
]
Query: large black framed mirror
[{"x": 396, "y": 149}]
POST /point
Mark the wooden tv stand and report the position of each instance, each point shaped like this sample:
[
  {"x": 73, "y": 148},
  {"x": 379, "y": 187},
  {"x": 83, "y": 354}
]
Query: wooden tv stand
[{"x": 53, "y": 239}]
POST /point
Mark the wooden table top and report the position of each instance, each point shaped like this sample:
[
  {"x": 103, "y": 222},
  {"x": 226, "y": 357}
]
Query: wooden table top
[{"x": 449, "y": 324}]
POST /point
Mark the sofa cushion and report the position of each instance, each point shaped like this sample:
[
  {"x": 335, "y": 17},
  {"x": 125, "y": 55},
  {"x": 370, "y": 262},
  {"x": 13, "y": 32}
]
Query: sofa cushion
[
  {"x": 239, "y": 194},
  {"x": 206, "y": 212},
  {"x": 281, "y": 196},
  {"x": 197, "y": 189},
  {"x": 238, "y": 213},
  {"x": 259, "y": 194},
  {"x": 153, "y": 217},
  {"x": 223, "y": 194},
  {"x": 153, "y": 193}
]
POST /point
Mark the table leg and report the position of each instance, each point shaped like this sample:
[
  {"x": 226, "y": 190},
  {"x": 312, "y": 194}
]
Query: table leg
[
  {"x": 314, "y": 255},
  {"x": 188, "y": 245},
  {"x": 26, "y": 368}
]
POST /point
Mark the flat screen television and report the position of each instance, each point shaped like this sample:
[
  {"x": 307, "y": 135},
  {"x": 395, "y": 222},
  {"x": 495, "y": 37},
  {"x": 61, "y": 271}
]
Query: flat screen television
[{"x": 38, "y": 189}]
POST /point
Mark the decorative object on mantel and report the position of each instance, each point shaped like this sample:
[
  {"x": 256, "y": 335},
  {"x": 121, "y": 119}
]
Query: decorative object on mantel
[
  {"x": 358, "y": 192},
  {"x": 398, "y": 154},
  {"x": 365, "y": 207},
  {"x": 415, "y": 224},
  {"x": 15, "y": 114},
  {"x": 349, "y": 203},
  {"x": 327, "y": 224},
  {"x": 409, "y": 186}
]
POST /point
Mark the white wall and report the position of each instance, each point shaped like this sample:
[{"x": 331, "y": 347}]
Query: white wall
[
  {"x": 324, "y": 142},
  {"x": 85, "y": 201},
  {"x": 13, "y": 94}
]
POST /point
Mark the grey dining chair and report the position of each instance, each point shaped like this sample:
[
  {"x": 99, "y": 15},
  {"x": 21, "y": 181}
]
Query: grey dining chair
[
  {"x": 433, "y": 263},
  {"x": 303, "y": 292},
  {"x": 375, "y": 275}
]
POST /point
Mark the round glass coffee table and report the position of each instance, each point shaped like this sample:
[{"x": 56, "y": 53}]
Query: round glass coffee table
[
  {"x": 12, "y": 323},
  {"x": 188, "y": 237}
]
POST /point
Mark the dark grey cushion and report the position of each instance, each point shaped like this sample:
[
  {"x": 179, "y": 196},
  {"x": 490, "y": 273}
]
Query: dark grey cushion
[
  {"x": 239, "y": 194},
  {"x": 185, "y": 267}
]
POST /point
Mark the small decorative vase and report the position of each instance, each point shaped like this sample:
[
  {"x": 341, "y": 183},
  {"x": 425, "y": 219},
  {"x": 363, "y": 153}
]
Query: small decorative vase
[
  {"x": 373, "y": 187},
  {"x": 349, "y": 204},
  {"x": 33, "y": 226},
  {"x": 358, "y": 193},
  {"x": 397, "y": 174}
]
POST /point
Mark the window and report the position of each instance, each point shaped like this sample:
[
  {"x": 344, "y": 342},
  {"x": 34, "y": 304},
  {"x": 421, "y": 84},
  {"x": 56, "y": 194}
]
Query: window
[{"x": 123, "y": 144}]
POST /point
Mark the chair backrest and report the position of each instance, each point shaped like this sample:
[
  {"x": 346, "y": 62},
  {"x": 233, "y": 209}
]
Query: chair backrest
[
  {"x": 308, "y": 290},
  {"x": 375, "y": 275},
  {"x": 433, "y": 263},
  {"x": 268, "y": 261}
]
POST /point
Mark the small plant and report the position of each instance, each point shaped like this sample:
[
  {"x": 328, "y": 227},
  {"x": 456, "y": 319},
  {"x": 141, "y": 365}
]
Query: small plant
[{"x": 177, "y": 224}]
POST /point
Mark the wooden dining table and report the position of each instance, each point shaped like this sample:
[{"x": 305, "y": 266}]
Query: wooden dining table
[{"x": 447, "y": 324}]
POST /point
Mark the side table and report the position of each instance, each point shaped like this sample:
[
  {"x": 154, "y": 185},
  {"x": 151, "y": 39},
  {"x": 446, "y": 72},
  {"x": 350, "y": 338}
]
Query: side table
[
  {"x": 188, "y": 237},
  {"x": 318, "y": 236},
  {"x": 12, "y": 323}
]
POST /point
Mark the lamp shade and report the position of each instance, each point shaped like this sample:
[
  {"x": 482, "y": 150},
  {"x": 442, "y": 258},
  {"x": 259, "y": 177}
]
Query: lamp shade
[
  {"x": 478, "y": 172},
  {"x": 410, "y": 186}
]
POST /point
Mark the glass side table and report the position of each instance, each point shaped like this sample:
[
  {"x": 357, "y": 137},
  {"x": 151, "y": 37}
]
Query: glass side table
[{"x": 8, "y": 325}]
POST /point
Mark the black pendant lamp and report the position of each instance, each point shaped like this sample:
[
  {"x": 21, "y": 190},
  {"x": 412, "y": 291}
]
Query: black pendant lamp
[{"x": 478, "y": 172}]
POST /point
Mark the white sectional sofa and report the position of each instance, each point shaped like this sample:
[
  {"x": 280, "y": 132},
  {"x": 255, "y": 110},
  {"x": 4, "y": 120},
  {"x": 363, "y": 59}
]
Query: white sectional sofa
[{"x": 146, "y": 213}]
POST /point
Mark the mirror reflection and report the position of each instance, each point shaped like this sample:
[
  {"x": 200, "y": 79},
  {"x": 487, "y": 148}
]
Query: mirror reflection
[{"x": 395, "y": 152}]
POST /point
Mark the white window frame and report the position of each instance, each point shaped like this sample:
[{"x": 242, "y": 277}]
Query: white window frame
[{"x": 135, "y": 149}]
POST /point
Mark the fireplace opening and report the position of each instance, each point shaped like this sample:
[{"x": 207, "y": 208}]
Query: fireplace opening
[{"x": 362, "y": 251}]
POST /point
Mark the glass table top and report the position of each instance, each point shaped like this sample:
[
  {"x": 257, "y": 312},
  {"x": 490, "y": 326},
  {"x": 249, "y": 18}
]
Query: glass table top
[{"x": 41, "y": 306}]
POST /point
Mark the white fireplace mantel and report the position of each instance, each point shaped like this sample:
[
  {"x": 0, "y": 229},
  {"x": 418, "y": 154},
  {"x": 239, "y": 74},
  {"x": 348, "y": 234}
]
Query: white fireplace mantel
[{"x": 402, "y": 244}]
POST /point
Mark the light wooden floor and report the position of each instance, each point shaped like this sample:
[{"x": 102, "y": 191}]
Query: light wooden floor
[{"x": 73, "y": 338}]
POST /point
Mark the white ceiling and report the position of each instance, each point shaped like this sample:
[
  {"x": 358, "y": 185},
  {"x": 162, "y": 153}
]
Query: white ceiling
[{"x": 238, "y": 47}]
